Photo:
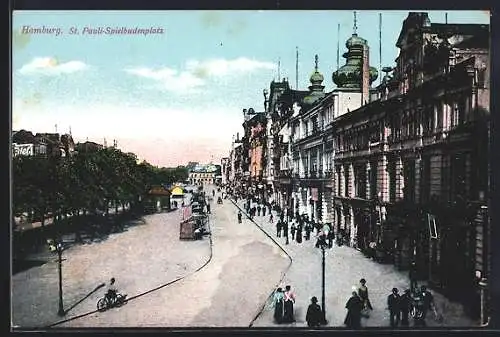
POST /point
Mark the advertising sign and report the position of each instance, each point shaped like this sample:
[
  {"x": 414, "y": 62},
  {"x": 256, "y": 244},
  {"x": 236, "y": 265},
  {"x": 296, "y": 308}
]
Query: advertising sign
[{"x": 22, "y": 149}]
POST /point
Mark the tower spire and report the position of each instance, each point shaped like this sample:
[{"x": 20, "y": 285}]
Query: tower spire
[
  {"x": 355, "y": 27},
  {"x": 316, "y": 62},
  {"x": 279, "y": 68}
]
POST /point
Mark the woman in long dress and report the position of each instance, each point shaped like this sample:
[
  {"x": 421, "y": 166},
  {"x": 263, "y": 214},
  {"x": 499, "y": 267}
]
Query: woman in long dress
[
  {"x": 278, "y": 300},
  {"x": 353, "y": 306},
  {"x": 363, "y": 295},
  {"x": 288, "y": 305}
]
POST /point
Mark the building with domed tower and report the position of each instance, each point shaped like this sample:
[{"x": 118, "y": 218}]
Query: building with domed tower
[{"x": 411, "y": 165}]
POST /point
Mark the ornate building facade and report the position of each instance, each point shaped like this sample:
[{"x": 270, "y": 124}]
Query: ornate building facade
[
  {"x": 411, "y": 167},
  {"x": 402, "y": 169}
]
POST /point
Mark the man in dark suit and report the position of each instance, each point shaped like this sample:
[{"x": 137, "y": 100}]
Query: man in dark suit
[{"x": 393, "y": 303}]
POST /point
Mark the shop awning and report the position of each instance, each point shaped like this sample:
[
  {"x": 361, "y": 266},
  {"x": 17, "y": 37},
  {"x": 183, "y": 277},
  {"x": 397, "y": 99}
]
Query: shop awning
[{"x": 177, "y": 191}]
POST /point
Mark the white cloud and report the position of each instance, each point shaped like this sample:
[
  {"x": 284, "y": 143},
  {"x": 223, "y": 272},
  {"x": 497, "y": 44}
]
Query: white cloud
[
  {"x": 197, "y": 73},
  {"x": 170, "y": 79},
  {"x": 222, "y": 67},
  {"x": 50, "y": 66}
]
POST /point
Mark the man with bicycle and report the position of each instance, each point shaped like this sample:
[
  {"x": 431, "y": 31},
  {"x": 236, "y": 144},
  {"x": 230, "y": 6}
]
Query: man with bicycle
[{"x": 112, "y": 291}]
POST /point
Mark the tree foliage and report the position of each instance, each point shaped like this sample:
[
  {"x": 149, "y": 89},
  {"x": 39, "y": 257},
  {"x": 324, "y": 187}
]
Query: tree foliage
[{"x": 84, "y": 182}]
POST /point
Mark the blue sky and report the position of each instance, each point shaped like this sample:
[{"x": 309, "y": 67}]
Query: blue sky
[{"x": 177, "y": 97}]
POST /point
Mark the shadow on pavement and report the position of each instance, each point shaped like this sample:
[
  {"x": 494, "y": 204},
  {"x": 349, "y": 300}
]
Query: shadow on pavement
[
  {"x": 22, "y": 265},
  {"x": 30, "y": 247},
  {"x": 86, "y": 296}
]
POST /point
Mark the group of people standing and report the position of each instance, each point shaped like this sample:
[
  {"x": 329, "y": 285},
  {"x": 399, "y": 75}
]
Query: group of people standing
[
  {"x": 283, "y": 305},
  {"x": 358, "y": 305},
  {"x": 399, "y": 306}
]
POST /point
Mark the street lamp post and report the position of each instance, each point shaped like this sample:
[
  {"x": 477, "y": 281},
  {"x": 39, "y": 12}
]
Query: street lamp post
[
  {"x": 58, "y": 247},
  {"x": 321, "y": 243}
]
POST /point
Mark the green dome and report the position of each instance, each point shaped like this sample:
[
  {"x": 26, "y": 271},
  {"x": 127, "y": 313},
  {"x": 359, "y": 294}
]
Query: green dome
[
  {"x": 316, "y": 77},
  {"x": 355, "y": 40},
  {"x": 349, "y": 75}
]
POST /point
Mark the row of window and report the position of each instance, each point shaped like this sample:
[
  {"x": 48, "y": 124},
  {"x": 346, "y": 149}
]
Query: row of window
[
  {"x": 361, "y": 180},
  {"x": 408, "y": 125},
  {"x": 313, "y": 124},
  {"x": 314, "y": 160}
]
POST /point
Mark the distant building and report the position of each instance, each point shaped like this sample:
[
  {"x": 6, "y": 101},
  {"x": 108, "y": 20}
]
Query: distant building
[
  {"x": 203, "y": 174},
  {"x": 25, "y": 143},
  {"x": 88, "y": 147}
]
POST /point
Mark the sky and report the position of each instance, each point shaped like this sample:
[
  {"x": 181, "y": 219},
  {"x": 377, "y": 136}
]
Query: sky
[{"x": 177, "y": 95}]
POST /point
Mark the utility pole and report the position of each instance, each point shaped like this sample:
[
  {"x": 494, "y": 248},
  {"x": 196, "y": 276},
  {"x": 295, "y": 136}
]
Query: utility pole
[
  {"x": 380, "y": 46},
  {"x": 297, "y": 68},
  {"x": 338, "y": 45}
]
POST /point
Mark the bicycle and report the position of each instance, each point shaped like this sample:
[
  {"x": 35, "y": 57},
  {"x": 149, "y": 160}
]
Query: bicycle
[{"x": 106, "y": 303}]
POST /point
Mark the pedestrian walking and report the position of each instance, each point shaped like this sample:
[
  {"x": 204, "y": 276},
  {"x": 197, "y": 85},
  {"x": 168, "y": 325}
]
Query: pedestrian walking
[
  {"x": 285, "y": 232},
  {"x": 428, "y": 300},
  {"x": 353, "y": 306},
  {"x": 330, "y": 237},
  {"x": 363, "y": 295},
  {"x": 393, "y": 304},
  {"x": 279, "y": 225},
  {"x": 258, "y": 210},
  {"x": 264, "y": 210},
  {"x": 307, "y": 229},
  {"x": 298, "y": 235},
  {"x": 278, "y": 302},
  {"x": 292, "y": 230},
  {"x": 239, "y": 216},
  {"x": 314, "y": 314},
  {"x": 208, "y": 208},
  {"x": 404, "y": 307},
  {"x": 271, "y": 217},
  {"x": 213, "y": 193},
  {"x": 288, "y": 305}
]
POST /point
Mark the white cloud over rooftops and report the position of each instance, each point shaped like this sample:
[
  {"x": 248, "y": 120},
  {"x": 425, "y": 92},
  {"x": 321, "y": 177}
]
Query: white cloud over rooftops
[
  {"x": 222, "y": 67},
  {"x": 170, "y": 79},
  {"x": 50, "y": 66},
  {"x": 197, "y": 73}
]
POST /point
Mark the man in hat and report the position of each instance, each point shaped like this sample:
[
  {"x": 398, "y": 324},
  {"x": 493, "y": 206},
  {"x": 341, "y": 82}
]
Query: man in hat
[
  {"x": 314, "y": 313},
  {"x": 393, "y": 303},
  {"x": 404, "y": 306}
]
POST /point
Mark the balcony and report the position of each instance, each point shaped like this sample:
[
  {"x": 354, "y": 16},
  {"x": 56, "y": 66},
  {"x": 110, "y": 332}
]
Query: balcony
[{"x": 313, "y": 175}]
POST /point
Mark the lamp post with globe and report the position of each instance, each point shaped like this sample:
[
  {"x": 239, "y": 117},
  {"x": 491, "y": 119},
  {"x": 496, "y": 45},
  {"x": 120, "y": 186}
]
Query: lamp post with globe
[{"x": 57, "y": 246}]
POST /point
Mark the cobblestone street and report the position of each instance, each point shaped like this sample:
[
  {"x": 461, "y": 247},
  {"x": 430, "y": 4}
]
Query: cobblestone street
[{"x": 345, "y": 266}]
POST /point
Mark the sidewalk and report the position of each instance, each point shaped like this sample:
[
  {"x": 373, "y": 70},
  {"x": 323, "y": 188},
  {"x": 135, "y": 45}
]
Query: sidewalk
[
  {"x": 23, "y": 226},
  {"x": 345, "y": 266}
]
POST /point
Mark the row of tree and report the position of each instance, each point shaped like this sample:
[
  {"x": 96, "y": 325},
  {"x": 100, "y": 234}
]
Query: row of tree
[{"x": 86, "y": 182}]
